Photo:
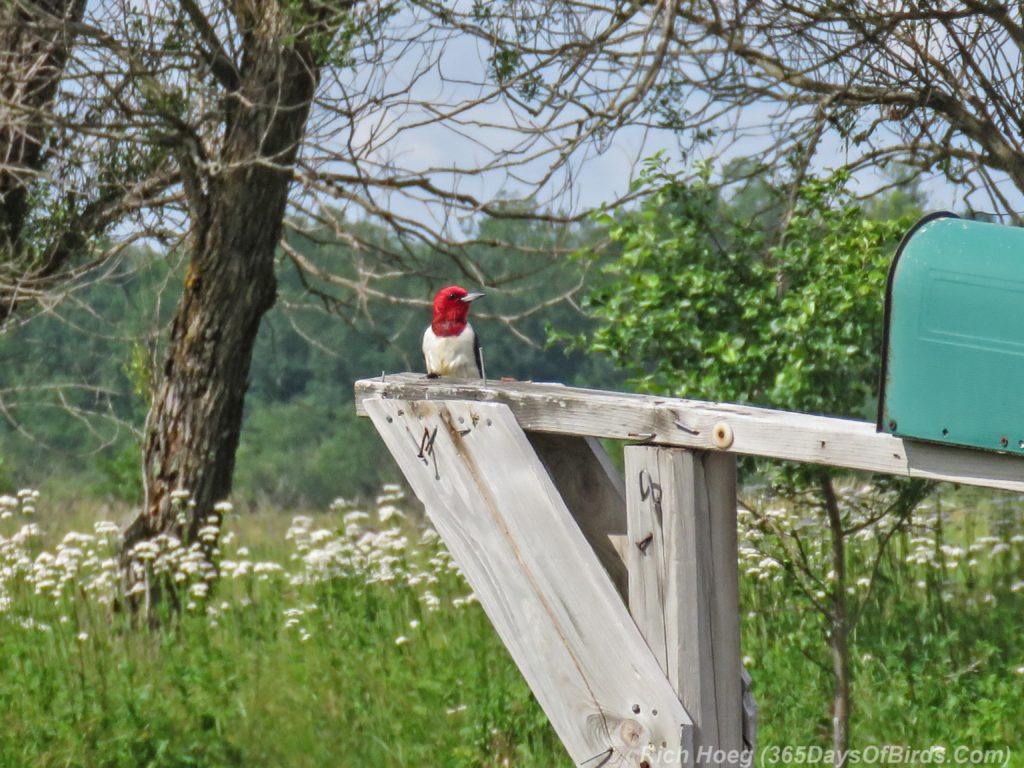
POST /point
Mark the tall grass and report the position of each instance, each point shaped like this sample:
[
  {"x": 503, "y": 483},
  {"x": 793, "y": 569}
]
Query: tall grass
[{"x": 350, "y": 639}]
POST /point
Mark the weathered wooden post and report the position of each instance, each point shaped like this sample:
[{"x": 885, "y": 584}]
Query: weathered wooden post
[
  {"x": 555, "y": 543},
  {"x": 684, "y": 585},
  {"x": 554, "y": 606}
]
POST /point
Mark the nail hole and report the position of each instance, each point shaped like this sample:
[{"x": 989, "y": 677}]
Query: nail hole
[{"x": 945, "y": 432}]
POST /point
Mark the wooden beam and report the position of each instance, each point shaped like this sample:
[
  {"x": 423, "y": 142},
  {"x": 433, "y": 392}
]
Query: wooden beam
[
  {"x": 592, "y": 489},
  {"x": 713, "y": 426},
  {"x": 684, "y": 586},
  {"x": 551, "y": 602}
]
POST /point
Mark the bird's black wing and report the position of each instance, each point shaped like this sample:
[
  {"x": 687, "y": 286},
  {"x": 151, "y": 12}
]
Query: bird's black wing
[{"x": 477, "y": 355}]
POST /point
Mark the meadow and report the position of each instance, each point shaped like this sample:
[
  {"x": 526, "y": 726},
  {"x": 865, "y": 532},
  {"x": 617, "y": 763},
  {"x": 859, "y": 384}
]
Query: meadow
[{"x": 349, "y": 638}]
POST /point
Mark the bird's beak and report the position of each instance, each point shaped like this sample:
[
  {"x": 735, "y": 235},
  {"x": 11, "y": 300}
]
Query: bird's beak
[{"x": 472, "y": 297}]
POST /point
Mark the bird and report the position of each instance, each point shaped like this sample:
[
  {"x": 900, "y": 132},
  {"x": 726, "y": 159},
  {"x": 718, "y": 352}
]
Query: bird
[{"x": 450, "y": 345}]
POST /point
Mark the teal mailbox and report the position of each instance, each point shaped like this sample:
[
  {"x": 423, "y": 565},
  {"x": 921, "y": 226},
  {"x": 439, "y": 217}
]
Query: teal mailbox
[{"x": 953, "y": 355}]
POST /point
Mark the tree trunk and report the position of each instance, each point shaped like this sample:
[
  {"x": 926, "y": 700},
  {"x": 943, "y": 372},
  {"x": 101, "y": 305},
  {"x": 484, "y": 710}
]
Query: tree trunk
[
  {"x": 839, "y": 630},
  {"x": 237, "y": 215},
  {"x": 34, "y": 46},
  {"x": 33, "y": 51}
]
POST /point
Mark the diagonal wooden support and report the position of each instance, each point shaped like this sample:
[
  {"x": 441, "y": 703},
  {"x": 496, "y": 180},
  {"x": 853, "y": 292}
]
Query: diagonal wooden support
[
  {"x": 592, "y": 489},
  {"x": 553, "y": 605},
  {"x": 684, "y": 587}
]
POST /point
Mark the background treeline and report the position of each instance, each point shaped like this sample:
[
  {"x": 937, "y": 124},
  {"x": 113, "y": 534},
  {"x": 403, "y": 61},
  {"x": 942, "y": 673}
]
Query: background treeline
[{"x": 76, "y": 380}]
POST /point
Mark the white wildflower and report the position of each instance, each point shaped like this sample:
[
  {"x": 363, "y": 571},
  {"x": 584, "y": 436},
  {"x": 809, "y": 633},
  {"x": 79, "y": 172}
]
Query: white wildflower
[
  {"x": 389, "y": 512},
  {"x": 199, "y": 589}
]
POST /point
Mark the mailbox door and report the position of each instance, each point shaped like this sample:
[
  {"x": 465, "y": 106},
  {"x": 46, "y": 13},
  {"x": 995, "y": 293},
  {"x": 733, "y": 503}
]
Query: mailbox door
[{"x": 953, "y": 360}]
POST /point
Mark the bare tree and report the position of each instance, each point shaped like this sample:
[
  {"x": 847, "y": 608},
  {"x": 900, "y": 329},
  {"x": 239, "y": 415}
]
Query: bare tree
[
  {"x": 207, "y": 126},
  {"x": 935, "y": 87},
  {"x": 56, "y": 199}
]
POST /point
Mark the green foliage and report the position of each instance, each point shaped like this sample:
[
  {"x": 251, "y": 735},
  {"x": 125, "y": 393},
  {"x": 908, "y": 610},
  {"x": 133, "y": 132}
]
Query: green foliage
[
  {"x": 351, "y": 665},
  {"x": 704, "y": 304},
  {"x": 119, "y": 474},
  {"x": 324, "y": 651}
]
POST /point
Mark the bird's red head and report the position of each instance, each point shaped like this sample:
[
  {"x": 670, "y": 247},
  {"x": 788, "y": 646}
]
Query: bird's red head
[{"x": 451, "y": 309}]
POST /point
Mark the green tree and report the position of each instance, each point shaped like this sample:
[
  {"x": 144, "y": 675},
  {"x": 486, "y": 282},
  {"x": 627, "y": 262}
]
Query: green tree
[{"x": 706, "y": 300}]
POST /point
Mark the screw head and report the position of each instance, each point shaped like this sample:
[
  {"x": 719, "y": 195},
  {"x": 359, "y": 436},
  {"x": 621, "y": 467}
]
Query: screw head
[
  {"x": 892, "y": 423},
  {"x": 1004, "y": 441}
]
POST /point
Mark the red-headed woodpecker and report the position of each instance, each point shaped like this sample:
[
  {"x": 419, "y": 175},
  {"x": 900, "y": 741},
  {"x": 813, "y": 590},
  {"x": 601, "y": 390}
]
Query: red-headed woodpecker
[{"x": 450, "y": 347}]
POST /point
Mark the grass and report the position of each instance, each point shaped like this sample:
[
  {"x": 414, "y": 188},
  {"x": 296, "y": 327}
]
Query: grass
[{"x": 351, "y": 640}]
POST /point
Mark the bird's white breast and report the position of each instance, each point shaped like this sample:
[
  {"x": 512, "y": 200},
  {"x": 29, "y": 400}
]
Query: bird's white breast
[{"x": 451, "y": 355}]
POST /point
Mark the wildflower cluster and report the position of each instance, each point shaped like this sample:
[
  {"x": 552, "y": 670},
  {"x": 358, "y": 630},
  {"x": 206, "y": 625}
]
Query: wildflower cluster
[
  {"x": 377, "y": 548},
  {"x": 780, "y": 539}
]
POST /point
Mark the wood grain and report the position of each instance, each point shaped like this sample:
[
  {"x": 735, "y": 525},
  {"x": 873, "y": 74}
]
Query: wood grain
[
  {"x": 592, "y": 489},
  {"x": 553, "y": 605},
  {"x": 691, "y": 424},
  {"x": 684, "y": 583}
]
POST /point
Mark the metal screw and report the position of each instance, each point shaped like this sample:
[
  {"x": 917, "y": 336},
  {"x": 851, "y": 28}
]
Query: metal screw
[
  {"x": 892, "y": 424},
  {"x": 636, "y": 709},
  {"x": 1004, "y": 441}
]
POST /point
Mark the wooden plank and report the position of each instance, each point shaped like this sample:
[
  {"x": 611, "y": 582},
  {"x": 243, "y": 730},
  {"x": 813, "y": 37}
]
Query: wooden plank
[
  {"x": 692, "y": 424},
  {"x": 551, "y": 602},
  {"x": 592, "y": 489},
  {"x": 684, "y": 584},
  {"x": 719, "y": 471}
]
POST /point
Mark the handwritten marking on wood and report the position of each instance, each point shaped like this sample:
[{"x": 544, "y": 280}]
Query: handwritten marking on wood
[
  {"x": 691, "y": 424},
  {"x": 554, "y": 606},
  {"x": 684, "y": 583}
]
